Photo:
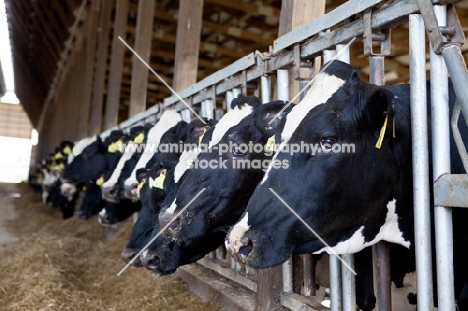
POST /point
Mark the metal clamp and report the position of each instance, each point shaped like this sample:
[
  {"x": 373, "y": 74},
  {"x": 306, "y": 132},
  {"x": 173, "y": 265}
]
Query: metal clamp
[
  {"x": 441, "y": 36},
  {"x": 384, "y": 37}
]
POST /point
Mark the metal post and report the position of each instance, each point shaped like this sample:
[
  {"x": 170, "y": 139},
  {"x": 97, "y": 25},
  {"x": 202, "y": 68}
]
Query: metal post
[
  {"x": 422, "y": 219},
  {"x": 335, "y": 284},
  {"x": 441, "y": 165},
  {"x": 185, "y": 114},
  {"x": 348, "y": 281},
  {"x": 229, "y": 98},
  {"x": 266, "y": 88},
  {"x": 335, "y": 264},
  {"x": 380, "y": 251},
  {"x": 283, "y": 94}
]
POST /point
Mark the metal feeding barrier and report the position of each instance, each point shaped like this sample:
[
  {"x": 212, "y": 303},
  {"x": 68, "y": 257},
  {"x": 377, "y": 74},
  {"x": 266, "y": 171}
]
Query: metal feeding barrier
[{"x": 370, "y": 24}]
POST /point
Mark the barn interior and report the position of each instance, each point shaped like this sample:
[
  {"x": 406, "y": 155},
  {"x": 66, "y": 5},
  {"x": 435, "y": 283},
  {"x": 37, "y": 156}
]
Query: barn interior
[{"x": 84, "y": 67}]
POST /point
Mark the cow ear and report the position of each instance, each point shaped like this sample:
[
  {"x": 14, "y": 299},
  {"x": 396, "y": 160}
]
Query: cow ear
[
  {"x": 379, "y": 110},
  {"x": 101, "y": 146},
  {"x": 141, "y": 173},
  {"x": 181, "y": 130}
]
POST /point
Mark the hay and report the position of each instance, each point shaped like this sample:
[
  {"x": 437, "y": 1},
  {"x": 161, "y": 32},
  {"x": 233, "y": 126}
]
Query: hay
[{"x": 68, "y": 265}]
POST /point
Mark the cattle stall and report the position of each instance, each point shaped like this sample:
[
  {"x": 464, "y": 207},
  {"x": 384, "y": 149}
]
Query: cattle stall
[
  {"x": 297, "y": 57},
  {"x": 266, "y": 75}
]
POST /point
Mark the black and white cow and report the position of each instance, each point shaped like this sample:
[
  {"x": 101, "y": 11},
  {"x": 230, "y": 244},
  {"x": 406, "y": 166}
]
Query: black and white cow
[
  {"x": 237, "y": 170},
  {"x": 112, "y": 188},
  {"x": 164, "y": 257},
  {"x": 170, "y": 129},
  {"x": 351, "y": 198},
  {"x": 153, "y": 191}
]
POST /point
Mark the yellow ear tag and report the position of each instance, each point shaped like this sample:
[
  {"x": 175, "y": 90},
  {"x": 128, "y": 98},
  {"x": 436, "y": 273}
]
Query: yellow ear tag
[
  {"x": 66, "y": 150},
  {"x": 58, "y": 155},
  {"x": 378, "y": 144},
  {"x": 84, "y": 188},
  {"x": 140, "y": 185},
  {"x": 100, "y": 181},
  {"x": 115, "y": 146},
  {"x": 139, "y": 138},
  {"x": 201, "y": 136},
  {"x": 159, "y": 182},
  {"x": 61, "y": 166},
  {"x": 271, "y": 144}
]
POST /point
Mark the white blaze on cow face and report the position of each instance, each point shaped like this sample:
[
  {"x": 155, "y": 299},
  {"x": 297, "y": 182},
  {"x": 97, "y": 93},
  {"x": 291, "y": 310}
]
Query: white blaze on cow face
[
  {"x": 185, "y": 160},
  {"x": 388, "y": 232},
  {"x": 129, "y": 151},
  {"x": 67, "y": 189},
  {"x": 168, "y": 119},
  {"x": 320, "y": 92},
  {"x": 79, "y": 147},
  {"x": 171, "y": 209},
  {"x": 233, "y": 243},
  {"x": 228, "y": 121}
]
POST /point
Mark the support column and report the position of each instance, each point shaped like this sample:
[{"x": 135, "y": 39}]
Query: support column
[
  {"x": 95, "y": 126},
  {"x": 187, "y": 43},
  {"x": 143, "y": 40},
  {"x": 116, "y": 65},
  {"x": 90, "y": 54},
  {"x": 294, "y": 14}
]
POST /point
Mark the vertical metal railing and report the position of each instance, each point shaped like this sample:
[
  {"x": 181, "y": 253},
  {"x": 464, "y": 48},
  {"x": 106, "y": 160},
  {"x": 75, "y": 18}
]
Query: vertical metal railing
[
  {"x": 422, "y": 217},
  {"x": 441, "y": 165}
]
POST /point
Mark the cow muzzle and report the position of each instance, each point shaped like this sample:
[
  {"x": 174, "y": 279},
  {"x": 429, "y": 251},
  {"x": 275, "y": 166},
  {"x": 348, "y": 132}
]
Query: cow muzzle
[{"x": 128, "y": 254}]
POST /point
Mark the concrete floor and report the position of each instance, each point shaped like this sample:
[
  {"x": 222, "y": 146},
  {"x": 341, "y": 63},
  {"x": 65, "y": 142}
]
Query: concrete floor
[{"x": 8, "y": 193}]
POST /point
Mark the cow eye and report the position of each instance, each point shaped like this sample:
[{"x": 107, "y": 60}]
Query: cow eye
[{"x": 327, "y": 142}]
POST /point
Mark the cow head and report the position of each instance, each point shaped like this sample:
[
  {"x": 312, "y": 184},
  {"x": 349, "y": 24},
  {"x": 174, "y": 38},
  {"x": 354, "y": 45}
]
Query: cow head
[
  {"x": 169, "y": 129},
  {"x": 341, "y": 194},
  {"x": 240, "y": 158}
]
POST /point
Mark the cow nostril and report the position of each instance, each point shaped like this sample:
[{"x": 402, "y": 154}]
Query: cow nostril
[
  {"x": 151, "y": 261},
  {"x": 174, "y": 226},
  {"x": 245, "y": 250},
  {"x": 113, "y": 192}
]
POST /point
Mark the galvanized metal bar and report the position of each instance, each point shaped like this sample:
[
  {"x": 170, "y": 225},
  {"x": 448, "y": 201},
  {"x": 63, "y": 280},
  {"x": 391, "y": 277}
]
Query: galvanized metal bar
[
  {"x": 440, "y": 166},
  {"x": 228, "y": 71},
  {"x": 457, "y": 136},
  {"x": 451, "y": 190},
  {"x": 389, "y": 16},
  {"x": 335, "y": 284},
  {"x": 266, "y": 88},
  {"x": 323, "y": 22},
  {"x": 185, "y": 114},
  {"x": 229, "y": 98},
  {"x": 348, "y": 282},
  {"x": 380, "y": 251},
  {"x": 308, "y": 288},
  {"x": 422, "y": 217},
  {"x": 457, "y": 67},
  {"x": 282, "y": 80}
]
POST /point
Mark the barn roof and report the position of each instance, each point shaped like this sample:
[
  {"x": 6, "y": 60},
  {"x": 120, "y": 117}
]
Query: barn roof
[{"x": 43, "y": 30}]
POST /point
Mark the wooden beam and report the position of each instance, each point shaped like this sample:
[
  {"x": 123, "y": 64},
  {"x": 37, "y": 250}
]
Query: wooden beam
[
  {"x": 188, "y": 43},
  {"x": 142, "y": 47},
  {"x": 250, "y": 8},
  {"x": 95, "y": 125},
  {"x": 91, "y": 40},
  {"x": 116, "y": 65},
  {"x": 294, "y": 14}
]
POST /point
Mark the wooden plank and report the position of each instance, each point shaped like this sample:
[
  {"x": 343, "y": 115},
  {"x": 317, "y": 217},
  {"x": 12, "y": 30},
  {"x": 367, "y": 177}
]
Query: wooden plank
[
  {"x": 95, "y": 125},
  {"x": 210, "y": 286},
  {"x": 116, "y": 65},
  {"x": 247, "y": 7},
  {"x": 143, "y": 40},
  {"x": 91, "y": 42},
  {"x": 188, "y": 43},
  {"x": 332, "y": 18},
  {"x": 269, "y": 289}
]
